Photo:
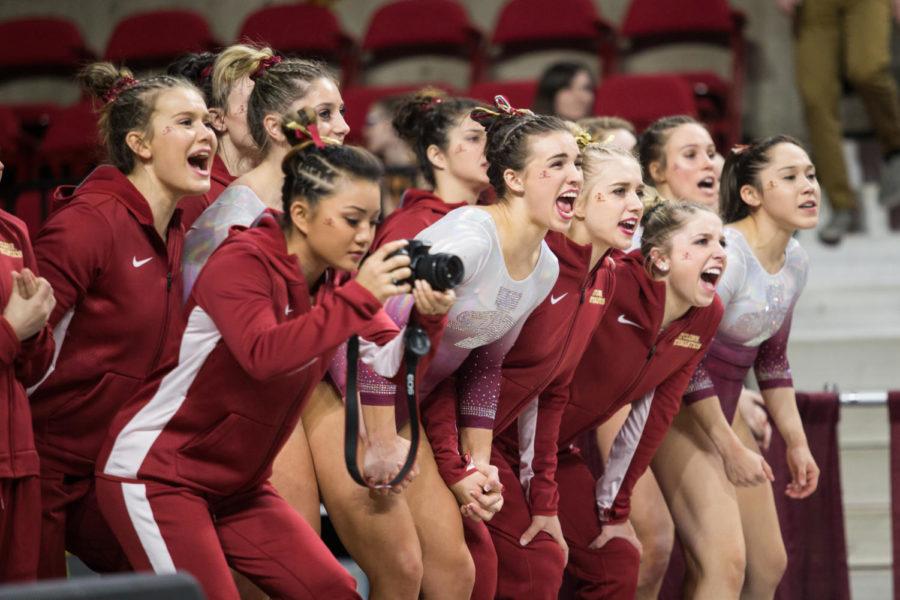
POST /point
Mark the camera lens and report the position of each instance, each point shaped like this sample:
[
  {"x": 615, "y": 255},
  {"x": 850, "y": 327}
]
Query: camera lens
[{"x": 441, "y": 271}]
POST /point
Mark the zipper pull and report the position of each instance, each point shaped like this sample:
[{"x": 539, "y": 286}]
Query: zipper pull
[
  {"x": 169, "y": 281},
  {"x": 652, "y": 352},
  {"x": 581, "y": 297}
]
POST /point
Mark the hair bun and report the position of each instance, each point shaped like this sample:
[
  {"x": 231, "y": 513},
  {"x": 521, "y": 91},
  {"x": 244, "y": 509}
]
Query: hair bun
[
  {"x": 428, "y": 97},
  {"x": 653, "y": 202},
  {"x": 104, "y": 81}
]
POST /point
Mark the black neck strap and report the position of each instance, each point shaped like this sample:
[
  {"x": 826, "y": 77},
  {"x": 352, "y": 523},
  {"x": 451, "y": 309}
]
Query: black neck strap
[{"x": 416, "y": 345}]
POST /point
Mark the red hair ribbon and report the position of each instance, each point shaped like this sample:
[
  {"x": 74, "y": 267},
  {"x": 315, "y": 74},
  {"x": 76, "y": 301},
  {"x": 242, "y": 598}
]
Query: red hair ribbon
[
  {"x": 264, "y": 65},
  {"x": 314, "y": 134},
  {"x": 311, "y": 131},
  {"x": 206, "y": 72},
  {"x": 120, "y": 86}
]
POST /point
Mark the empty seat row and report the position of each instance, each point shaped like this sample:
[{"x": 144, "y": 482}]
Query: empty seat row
[{"x": 404, "y": 28}]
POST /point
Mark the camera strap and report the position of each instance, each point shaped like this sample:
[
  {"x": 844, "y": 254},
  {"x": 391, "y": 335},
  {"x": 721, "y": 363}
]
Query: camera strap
[{"x": 416, "y": 345}]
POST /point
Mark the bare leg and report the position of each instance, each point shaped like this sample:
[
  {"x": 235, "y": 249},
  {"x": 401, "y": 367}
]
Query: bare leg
[
  {"x": 766, "y": 556},
  {"x": 294, "y": 476},
  {"x": 378, "y": 531},
  {"x": 649, "y": 516},
  {"x": 449, "y": 570},
  {"x": 704, "y": 506}
]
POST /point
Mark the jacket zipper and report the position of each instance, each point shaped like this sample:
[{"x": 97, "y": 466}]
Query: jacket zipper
[
  {"x": 168, "y": 301},
  {"x": 584, "y": 284},
  {"x": 648, "y": 360}
]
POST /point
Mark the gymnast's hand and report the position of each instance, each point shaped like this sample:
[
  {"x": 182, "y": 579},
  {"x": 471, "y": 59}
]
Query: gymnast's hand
[
  {"x": 480, "y": 494},
  {"x": 617, "y": 530},
  {"x": 381, "y": 273},
  {"x": 30, "y": 303},
  {"x": 550, "y": 524},
  {"x": 751, "y": 405},
  {"x": 382, "y": 460},
  {"x": 431, "y": 302},
  {"x": 744, "y": 467},
  {"x": 804, "y": 472}
]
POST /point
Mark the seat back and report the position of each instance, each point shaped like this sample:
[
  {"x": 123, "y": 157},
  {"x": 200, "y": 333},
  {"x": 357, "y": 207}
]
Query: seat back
[
  {"x": 306, "y": 30},
  {"x": 642, "y": 99},
  {"x": 408, "y": 28},
  {"x": 525, "y": 26},
  {"x": 650, "y": 24},
  {"x": 154, "y": 39},
  {"x": 41, "y": 45}
]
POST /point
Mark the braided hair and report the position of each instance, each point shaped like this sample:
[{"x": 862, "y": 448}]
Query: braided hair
[
  {"x": 314, "y": 167},
  {"x": 278, "y": 82}
]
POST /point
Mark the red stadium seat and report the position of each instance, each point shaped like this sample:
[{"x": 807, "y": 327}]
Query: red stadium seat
[
  {"x": 519, "y": 93},
  {"x": 642, "y": 99},
  {"x": 154, "y": 39},
  {"x": 359, "y": 99},
  {"x": 528, "y": 25},
  {"x": 654, "y": 23},
  {"x": 406, "y": 28},
  {"x": 71, "y": 148},
  {"x": 305, "y": 30},
  {"x": 41, "y": 45}
]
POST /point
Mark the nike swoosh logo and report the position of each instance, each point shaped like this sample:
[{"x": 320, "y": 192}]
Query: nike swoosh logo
[
  {"x": 288, "y": 310},
  {"x": 140, "y": 263},
  {"x": 555, "y": 299},
  {"x": 625, "y": 321}
]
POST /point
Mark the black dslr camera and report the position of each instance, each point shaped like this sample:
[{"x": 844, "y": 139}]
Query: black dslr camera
[{"x": 442, "y": 271}]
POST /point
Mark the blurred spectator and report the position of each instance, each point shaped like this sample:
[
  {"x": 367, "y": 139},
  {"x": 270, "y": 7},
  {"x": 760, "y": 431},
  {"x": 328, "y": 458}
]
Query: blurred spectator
[
  {"x": 399, "y": 160},
  {"x": 566, "y": 89},
  {"x": 611, "y": 130},
  {"x": 849, "y": 38}
]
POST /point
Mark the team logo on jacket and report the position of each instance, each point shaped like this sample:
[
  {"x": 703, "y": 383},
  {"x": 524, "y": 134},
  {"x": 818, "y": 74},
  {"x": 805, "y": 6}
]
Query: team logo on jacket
[
  {"x": 9, "y": 249},
  {"x": 688, "y": 340},
  {"x": 597, "y": 297}
]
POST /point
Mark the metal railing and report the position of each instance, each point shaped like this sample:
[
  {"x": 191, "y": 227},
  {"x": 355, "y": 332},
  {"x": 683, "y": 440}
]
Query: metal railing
[{"x": 863, "y": 398}]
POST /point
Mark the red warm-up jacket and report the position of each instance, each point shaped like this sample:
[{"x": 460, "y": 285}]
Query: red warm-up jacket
[
  {"x": 418, "y": 210},
  {"x": 21, "y": 363},
  {"x": 538, "y": 367},
  {"x": 118, "y": 307},
  {"x": 628, "y": 361},
  {"x": 252, "y": 350},
  {"x": 557, "y": 333},
  {"x": 193, "y": 206}
]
